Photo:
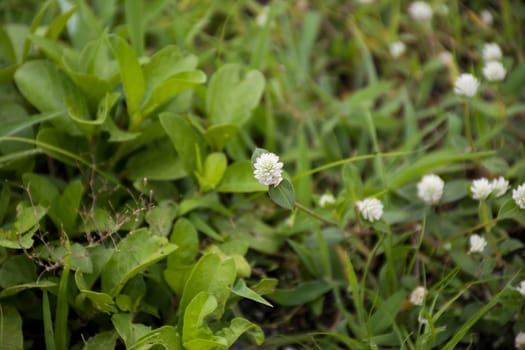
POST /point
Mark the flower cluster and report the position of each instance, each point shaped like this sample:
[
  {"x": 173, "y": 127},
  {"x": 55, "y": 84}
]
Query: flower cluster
[
  {"x": 519, "y": 341},
  {"x": 397, "y": 48},
  {"x": 430, "y": 189},
  {"x": 418, "y": 295},
  {"x": 371, "y": 209},
  {"x": 326, "y": 199},
  {"x": 466, "y": 85},
  {"x": 482, "y": 188},
  {"x": 493, "y": 69},
  {"x": 518, "y": 195},
  {"x": 477, "y": 244},
  {"x": 420, "y": 11},
  {"x": 268, "y": 169}
]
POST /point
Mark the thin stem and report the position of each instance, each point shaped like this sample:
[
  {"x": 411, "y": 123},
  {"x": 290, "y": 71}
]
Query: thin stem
[
  {"x": 314, "y": 214},
  {"x": 468, "y": 132}
]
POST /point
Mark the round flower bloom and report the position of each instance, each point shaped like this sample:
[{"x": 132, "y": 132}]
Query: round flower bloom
[
  {"x": 371, "y": 209},
  {"x": 491, "y": 52},
  {"x": 486, "y": 17},
  {"x": 521, "y": 288},
  {"x": 494, "y": 71},
  {"x": 397, "y": 48},
  {"x": 326, "y": 199},
  {"x": 466, "y": 85},
  {"x": 445, "y": 58},
  {"x": 430, "y": 189},
  {"x": 518, "y": 195},
  {"x": 418, "y": 295},
  {"x": 268, "y": 169},
  {"x": 420, "y": 11},
  {"x": 481, "y": 188},
  {"x": 499, "y": 186},
  {"x": 519, "y": 341},
  {"x": 477, "y": 244}
]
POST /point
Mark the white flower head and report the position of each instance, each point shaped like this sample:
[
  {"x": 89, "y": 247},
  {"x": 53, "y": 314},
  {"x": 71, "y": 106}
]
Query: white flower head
[
  {"x": 519, "y": 341},
  {"x": 397, "y": 48},
  {"x": 518, "y": 195},
  {"x": 420, "y": 11},
  {"x": 499, "y": 186},
  {"x": 521, "y": 288},
  {"x": 326, "y": 200},
  {"x": 481, "y": 188},
  {"x": 491, "y": 52},
  {"x": 477, "y": 244},
  {"x": 268, "y": 169},
  {"x": 430, "y": 189},
  {"x": 371, "y": 209},
  {"x": 418, "y": 295},
  {"x": 486, "y": 17},
  {"x": 445, "y": 58},
  {"x": 262, "y": 17},
  {"x": 494, "y": 71},
  {"x": 466, "y": 85}
]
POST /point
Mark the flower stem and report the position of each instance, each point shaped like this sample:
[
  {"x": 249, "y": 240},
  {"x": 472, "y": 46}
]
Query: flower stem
[
  {"x": 314, "y": 214},
  {"x": 468, "y": 132}
]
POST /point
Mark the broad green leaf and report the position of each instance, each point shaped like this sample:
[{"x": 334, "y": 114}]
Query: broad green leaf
[
  {"x": 238, "y": 178},
  {"x": 301, "y": 294},
  {"x": 160, "y": 218},
  {"x": 61, "y": 146},
  {"x": 130, "y": 73},
  {"x": 102, "y": 341},
  {"x": 214, "y": 167},
  {"x": 7, "y": 51},
  {"x": 58, "y": 24},
  {"x": 239, "y": 326},
  {"x": 165, "y": 336},
  {"x": 138, "y": 250},
  {"x": 211, "y": 274},
  {"x": 218, "y": 136},
  {"x": 196, "y": 334},
  {"x": 42, "y": 188},
  {"x": 99, "y": 256},
  {"x": 283, "y": 194},
  {"x": 13, "y": 127},
  {"x": 232, "y": 94},
  {"x": 186, "y": 238},
  {"x": 386, "y": 312},
  {"x": 11, "y": 336},
  {"x": 17, "y": 270},
  {"x": 100, "y": 301},
  {"x": 509, "y": 210},
  {"x": 25, "y": 226},
  {"x": 171, "y": 87},
  {"x": 128, "y": 331},
  {"x": 158, "y": 162},
  {"x": 185, "y": 139},
  {"x": 55, "y": 252},
  {"x": 134, "y": 11},
  {"x": 242, "y": 290},
  {"x": 65, "y": 208}
]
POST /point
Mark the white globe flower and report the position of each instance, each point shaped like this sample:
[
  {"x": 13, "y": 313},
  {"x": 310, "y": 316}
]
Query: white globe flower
[
  {"x": 486, "y": 18},
  {"x": 418, "y": 295},
  {"x": 397, "y": 48},
  {"x": 494, "y": 71},
  {"x": 420, "y": 11},
  {"x": 466, "y": 85},
  {"x": 491, "y": 52},
  {"x": 326, "y": 200},
  {"x": 371, "y": 209},
  {"x": 518, "y": 195},
  {"x": 519, "y": 341},
  {"x": 477, "y": 244},
  {"x": 268, "y": 169},
  {"x": 481, "y": 188},
  {"x": 430, "y": 189},
  {"x": 499, "y": 186},
  {"x": 521, "y": 288}
]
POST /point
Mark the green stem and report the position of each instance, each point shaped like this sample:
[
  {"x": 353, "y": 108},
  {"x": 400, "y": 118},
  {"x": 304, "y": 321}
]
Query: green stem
[
  {"x": 468, "y": 132},
  {"x": 314, "y": 214}
]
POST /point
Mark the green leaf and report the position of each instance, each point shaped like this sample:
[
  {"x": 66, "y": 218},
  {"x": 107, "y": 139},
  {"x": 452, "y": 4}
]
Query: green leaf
[
  {"x": 24, "y": 227},
  {"x": 134, "y": 10},
  {"x": 128, "y": 331},
  {"x": 185, "y": 139},
  {"x": 232, "y": 94},
  {"x": 55, "y": 252},
  {"x": 283, "y": 194},
  {"x": 100, "y": 301},
  {"x": 165, "y": 336},
  {"x": 194, "y": 327},
  {"x": 130, "y": 74},
  {"x": 218, "y": 136},
  {"x": 161, "y": 218},
  {"x": 13, "y": 127},
  {"x": 138, "y": 250},
  {"x": 42, "y": 189},
  {"x": 302, "y": 294},
  {"x": 171, "y": 87},
  {"x": 509, "y": 210},
  {"x": 242, "y": 290},
  {"x": 11, "y": 336},
  {"x": 211, "y": 274},
  {"x": 186, "y": 238},
  {"x": 12, "y": 290},
  {"x": 65, "y": 208},
  {"x": 239, "y": 326},
  {"x": 385, "y": 315},
  {"x": 238, "y": 178},
  {"x": 102, "y": 341},
  {"x": 214, "y": 168}
]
